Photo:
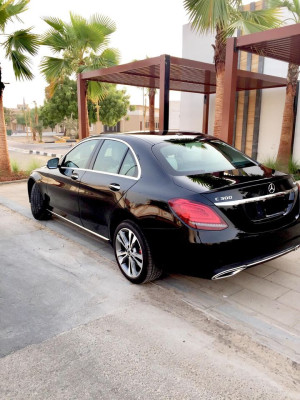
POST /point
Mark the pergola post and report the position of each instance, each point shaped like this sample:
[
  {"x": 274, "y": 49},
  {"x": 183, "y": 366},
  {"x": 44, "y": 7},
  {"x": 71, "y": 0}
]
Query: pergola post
[
  {"x": 205, "y": 113},
  {"x": 230, "y": 80},
  {"x": 82, "y": 107},
  {"x": 164, "y": 87}
]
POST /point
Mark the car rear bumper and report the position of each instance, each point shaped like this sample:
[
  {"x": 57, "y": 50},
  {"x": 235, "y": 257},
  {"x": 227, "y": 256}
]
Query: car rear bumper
[
  {"x": 246, "y": 252},
  {"x": 224, "y": 259}
]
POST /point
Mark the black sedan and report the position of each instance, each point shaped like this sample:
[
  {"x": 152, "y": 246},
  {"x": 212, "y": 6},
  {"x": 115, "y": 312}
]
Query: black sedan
[{"x": 178, "y": 199}]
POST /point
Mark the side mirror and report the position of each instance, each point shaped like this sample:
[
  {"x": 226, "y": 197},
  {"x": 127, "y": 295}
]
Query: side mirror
[{"x": 53, "y": 163}]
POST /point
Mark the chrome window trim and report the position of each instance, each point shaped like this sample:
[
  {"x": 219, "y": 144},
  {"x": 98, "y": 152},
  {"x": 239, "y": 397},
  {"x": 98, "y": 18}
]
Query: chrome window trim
[
  {"x": 79, "y": 226},
  {"x": 108, "y": 173},
  {"x": 254, "y": 199}
]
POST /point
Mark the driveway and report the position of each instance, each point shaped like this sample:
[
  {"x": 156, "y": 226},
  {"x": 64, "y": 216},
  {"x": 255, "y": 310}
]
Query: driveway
[{"x": 73, "y": 327}]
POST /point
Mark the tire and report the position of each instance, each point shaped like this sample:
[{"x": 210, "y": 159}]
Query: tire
[
  {"x": 133, "y": 254},
  {"x": 38, "y": 206}
]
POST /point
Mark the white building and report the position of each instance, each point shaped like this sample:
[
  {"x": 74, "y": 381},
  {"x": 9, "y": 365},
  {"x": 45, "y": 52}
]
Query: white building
[{"x": 199, "y": 47}]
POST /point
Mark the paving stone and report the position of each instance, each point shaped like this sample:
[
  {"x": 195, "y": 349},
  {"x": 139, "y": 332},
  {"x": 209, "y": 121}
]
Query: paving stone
[
  {"x": 222, "y": 287},
  {"x": 259, "y": 285},
  {"x": 271, "y": 308},
  {"x": 290, "y": 281},
  {"x": 288, "y": 263},
  {"x": 261, "y": 270},
  {"x": 291, "y": 299}
]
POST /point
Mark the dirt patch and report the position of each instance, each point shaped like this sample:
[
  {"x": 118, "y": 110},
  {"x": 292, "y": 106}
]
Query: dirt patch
[{"x": 14, "y": 176}]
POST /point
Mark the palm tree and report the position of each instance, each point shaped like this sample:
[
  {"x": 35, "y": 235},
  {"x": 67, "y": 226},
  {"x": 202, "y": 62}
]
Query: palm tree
[
  {"x": 81, "y": 45},
  {"x": 224, "y": 17},
  {"x": 18, "y": 45},
  {"x": 152, "y": 92},
  {"x": 285, "y": 145}
]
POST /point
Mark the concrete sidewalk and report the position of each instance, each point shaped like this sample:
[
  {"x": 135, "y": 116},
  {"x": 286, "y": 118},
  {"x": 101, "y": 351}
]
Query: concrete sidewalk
[{"x": 262, "y": 301}]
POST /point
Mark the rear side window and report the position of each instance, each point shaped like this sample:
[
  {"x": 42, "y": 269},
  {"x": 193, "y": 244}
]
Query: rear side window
[
  {"x": 189, "y": 156},
  {"x": 110, "y": 156},
  {"x": 129, "y": 167}
]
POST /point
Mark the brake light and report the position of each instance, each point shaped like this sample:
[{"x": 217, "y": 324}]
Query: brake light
[{"x": 197, "y": 215}]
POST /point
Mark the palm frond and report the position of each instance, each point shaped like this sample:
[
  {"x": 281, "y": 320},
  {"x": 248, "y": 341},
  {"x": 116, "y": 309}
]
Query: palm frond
[
  {"x": 205, "y": 15},
  {"x": 55, "y": 23},
  {"x": 97, "y": 91},
  {"x": 103, "y": 23},
  {"x": 85, "y": 34},
  {"x": 108, "y": 58},
  {"x": 21, "y": 65},
  {"x": 57, "y": 41},
  {"x": 255, "y": 21},
  {"x": 22, "y": 41},
  {"x": 14, "y": 8},
  {"x": 53, "y": 67},
  {"x": 292, "y": 5},
  {"x": 11, "y": 9}
]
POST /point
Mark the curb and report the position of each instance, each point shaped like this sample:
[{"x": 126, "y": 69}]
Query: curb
[
  {"x": 37, "y": 152},
  {"x": 16, "y": 181}
]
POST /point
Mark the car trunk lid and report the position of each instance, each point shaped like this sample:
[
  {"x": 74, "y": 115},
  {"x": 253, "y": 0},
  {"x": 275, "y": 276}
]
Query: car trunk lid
[{"x": 254, "y": 199}]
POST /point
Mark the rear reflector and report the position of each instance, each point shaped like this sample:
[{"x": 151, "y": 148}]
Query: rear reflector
[{"x": 197, "y": 215}]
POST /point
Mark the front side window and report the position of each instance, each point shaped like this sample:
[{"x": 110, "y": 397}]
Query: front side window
[
  {"x": 79, "y": 157},
  {"x": 110, "y": 156},
  {"x": 191, "y": 156}
]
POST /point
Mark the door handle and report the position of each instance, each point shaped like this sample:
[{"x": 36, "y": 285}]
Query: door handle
[
  {"x": 114, "y": 186},
  {"x": 74, "y": 176}
]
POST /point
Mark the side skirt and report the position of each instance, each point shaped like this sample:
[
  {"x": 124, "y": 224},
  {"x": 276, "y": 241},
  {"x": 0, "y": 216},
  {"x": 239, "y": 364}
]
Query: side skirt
[{"x": 79, "y": 226}]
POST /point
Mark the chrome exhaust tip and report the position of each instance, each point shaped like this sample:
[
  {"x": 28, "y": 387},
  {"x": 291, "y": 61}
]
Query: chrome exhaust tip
[{"x": 228, "y": 273}]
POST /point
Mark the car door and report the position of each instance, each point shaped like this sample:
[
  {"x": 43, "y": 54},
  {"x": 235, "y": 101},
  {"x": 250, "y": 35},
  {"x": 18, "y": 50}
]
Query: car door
[
  {"x": 63, "y": 183},
  {"x": 114, "y": 171}
]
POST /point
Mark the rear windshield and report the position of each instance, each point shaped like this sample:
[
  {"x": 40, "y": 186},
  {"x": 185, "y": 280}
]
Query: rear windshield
[{"x": 191, "y": 157}]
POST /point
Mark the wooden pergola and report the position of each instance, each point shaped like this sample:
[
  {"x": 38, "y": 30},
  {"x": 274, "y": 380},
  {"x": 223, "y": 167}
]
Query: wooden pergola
[
  {"x": 281, "y": 44},
  {"x": 169, "y": 73}
]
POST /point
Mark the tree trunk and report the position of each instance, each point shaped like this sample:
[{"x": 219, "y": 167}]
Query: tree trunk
[
  {"x": 220, "y": 72},
  {"x": 151, "y": 109},
  {"x": 4, "y": 156},
  {"x": 285, "y": 145},
  {"x": 87, "y": 120},
  {"x": 219, "y": 58}
]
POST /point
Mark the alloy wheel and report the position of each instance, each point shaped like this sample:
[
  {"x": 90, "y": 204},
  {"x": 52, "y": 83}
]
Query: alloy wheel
[{"x": 129, "y": 253}]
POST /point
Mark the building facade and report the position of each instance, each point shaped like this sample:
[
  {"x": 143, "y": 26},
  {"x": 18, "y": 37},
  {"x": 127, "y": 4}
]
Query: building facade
[{"x": 258, "y": 113}]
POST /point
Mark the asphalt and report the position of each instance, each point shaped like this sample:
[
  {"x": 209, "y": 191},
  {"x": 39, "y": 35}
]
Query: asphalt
[{"x": 73, "y": 328}]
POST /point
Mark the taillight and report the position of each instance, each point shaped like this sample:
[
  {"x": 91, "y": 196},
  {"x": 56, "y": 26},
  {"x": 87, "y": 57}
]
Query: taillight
[{"x": 197, "y": 215}]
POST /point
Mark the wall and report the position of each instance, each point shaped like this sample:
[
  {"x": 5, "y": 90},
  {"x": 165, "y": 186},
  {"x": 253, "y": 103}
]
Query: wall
[{"x": 195, "y": 47}]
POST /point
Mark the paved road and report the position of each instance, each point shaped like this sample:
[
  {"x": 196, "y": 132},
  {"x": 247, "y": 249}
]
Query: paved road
[
  {"x": 73, "y": 328},
  {"x": 49, "y": 148}
]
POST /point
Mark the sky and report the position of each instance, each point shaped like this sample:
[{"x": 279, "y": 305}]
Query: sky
[{"x": 144, "y": 28}]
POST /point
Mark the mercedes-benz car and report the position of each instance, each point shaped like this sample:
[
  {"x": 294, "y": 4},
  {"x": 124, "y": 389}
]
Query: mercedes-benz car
[{"x": 182, "y": 198}]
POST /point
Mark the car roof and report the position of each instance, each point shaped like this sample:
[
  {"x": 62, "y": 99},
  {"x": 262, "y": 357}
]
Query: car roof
[{"x": 155, "y": 137}]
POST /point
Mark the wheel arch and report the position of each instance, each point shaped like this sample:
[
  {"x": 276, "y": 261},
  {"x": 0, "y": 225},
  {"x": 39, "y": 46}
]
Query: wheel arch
[
  {"x": 30, "y": 183},
  {"x": 118, "y": 216},
  {"x": 35, "y": 177}
]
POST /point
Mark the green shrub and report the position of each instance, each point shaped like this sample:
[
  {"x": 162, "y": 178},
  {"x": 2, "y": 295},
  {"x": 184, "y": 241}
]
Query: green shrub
[
  {"x": 15, "y": 166},
  {"x": 34, "y": 164},
  {"x": 8, "y": 132},
  {"x": 294, "y": 166},
  {"x": 271, "y": 163}
]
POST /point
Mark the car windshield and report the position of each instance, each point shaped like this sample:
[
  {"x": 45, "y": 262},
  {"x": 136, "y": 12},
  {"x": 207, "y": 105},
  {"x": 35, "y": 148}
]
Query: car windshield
[{"x": 193, "y": 156}]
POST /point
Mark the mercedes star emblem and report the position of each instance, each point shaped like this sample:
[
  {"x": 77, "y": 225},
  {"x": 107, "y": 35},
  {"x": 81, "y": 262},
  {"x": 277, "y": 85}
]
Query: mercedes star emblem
[{"x": 271, "y": 188}]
